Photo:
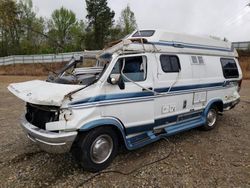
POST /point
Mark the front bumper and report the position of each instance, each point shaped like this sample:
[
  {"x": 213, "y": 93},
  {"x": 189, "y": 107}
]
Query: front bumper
[{"x": 50, "y": 142}]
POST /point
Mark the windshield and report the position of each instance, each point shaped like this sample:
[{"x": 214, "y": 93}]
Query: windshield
[
  {"x": 73, "y": 65},
  {"x": 83, "y": 71}
]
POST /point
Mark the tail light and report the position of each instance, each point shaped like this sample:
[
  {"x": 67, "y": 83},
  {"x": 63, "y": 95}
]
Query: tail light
[{"x": 239, "y": 84}]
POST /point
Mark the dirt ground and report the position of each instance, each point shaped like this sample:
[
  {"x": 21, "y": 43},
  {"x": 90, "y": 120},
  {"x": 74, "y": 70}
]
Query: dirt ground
[{"x": 218, "y": 158}]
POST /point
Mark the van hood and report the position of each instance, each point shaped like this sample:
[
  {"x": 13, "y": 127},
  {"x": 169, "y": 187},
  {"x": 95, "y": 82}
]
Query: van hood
[{"x": 42, "y": 92}]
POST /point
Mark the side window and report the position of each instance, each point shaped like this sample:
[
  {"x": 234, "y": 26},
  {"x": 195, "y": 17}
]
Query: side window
[
  {"x": 229, "y": 68},
  {"x": 135, "y": 68},
  {"x": 170, "y": 63},
  {"x": 144, "y": 33},
  {"x": 197, "y": 60}
]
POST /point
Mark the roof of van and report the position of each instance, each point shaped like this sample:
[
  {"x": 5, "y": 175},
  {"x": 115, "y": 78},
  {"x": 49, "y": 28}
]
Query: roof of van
[
  {"x": 183, "y": 40},
  {"x": 163, "y": 41}
]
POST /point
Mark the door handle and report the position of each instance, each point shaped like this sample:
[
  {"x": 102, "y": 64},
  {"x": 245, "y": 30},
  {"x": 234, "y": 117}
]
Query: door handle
[{"x": 150, "y": 88}]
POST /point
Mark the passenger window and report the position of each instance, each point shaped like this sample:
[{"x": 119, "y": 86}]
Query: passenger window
[
  {"x": 170, "y": 63},
  {"x": 229, "y": 68},
  {"x": 135, "y": 68}
]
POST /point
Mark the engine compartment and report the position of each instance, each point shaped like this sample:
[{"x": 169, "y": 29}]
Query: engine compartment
[{"x": 39, "y": 115}]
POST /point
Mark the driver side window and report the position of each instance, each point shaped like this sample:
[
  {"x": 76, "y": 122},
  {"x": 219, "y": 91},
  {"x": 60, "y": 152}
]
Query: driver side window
[{"x": 135, "y": 68}]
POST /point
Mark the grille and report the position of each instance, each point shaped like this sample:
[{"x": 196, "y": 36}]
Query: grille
[{"x": 39, "y": 115}]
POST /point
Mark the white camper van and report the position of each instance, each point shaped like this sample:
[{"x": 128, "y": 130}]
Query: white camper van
[{"x": 150, "y": 85}]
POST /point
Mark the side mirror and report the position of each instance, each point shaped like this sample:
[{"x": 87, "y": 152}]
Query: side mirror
[{"x": 116, "y": 79}]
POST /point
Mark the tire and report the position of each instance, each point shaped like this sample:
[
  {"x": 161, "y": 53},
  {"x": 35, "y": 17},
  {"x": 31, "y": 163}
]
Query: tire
[
  {"x": 97, "y": 149},
  {"x": 211, "y": 119}
]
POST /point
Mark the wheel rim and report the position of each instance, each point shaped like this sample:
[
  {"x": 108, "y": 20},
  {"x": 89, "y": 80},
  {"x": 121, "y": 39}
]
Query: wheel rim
[
  {"x": 211, "y": 117},
  {"x": 101, "y": 149}
]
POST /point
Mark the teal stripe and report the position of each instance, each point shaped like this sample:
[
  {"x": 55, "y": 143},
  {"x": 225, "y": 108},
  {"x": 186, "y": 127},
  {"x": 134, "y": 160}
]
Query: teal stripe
[{"x": 138, "y": 95}]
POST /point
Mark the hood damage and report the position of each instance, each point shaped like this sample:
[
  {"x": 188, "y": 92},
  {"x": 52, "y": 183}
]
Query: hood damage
[{"x": 42, "y": 92}]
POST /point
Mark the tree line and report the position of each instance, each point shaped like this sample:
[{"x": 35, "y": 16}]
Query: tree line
[{"x": 23, "y": 32}]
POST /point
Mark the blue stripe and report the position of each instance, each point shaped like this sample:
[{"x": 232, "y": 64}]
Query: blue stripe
[
  {"x": 138, "y": 95},
  {"x": 163, "y": 121},
  {"x": 149, "y": 136},
  {"x": 187, "y": 45},
  {"x": 113, "y": 97},
  {"x": 189, "y": 87},
  {"x": 191, "y": 44}
]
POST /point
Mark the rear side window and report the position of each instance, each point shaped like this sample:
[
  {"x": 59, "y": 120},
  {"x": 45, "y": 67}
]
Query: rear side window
[
  {"x": 170, "y": 63},
  {"x": 229, "y": 68}
]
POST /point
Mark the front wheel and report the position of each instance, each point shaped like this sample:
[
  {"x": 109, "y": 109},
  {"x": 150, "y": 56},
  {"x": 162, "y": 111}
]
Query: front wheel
[
  {"x": 211, "y": 119},
  {"x": 97, "y": 149}
]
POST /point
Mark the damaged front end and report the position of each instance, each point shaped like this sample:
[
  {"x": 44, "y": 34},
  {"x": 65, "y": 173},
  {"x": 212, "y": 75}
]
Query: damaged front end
[
  {"x": 47, "y": 114},
  {"x": 43, "y": 121},
  {"x": 35, "y": 122},
  {"x": 39, "y": 115}
]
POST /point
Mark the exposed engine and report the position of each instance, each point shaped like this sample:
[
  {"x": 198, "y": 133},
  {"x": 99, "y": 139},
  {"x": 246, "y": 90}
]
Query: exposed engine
[{"x": 39, "y": 115}]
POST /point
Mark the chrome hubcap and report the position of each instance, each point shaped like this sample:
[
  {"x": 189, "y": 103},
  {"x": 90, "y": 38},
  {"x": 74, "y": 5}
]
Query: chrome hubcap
[
  {"x": 101, "y": 149},
  {"x": 211, "y": 117}
]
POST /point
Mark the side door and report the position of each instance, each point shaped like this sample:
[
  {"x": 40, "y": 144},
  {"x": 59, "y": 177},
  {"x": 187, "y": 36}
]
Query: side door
[
  {"x": 175, "y": 81},
  {"x": 171, "y": 77},
  {"x": 133, "y": 105}
]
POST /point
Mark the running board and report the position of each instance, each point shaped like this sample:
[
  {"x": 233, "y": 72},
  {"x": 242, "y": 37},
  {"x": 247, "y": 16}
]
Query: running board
[
  {"x": 152, "y": 136},
  {"x": 174, "y": 129}
]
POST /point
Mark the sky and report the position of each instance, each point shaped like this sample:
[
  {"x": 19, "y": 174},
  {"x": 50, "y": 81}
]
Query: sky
[{"x": 221, "y": 18}]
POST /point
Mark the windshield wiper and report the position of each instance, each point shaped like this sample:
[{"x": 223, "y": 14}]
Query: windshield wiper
[{"x": 75, "y": 91}]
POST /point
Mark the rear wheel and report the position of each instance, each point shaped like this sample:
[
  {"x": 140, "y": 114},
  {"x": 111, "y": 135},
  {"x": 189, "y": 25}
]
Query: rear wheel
[
  {"x": 97, "y": 148},
  {"x": 211, "y": 119}
]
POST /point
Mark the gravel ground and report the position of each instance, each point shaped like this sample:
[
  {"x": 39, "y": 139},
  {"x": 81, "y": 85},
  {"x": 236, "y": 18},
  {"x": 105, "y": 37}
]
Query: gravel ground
[{"x": 219, "y": 158}]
